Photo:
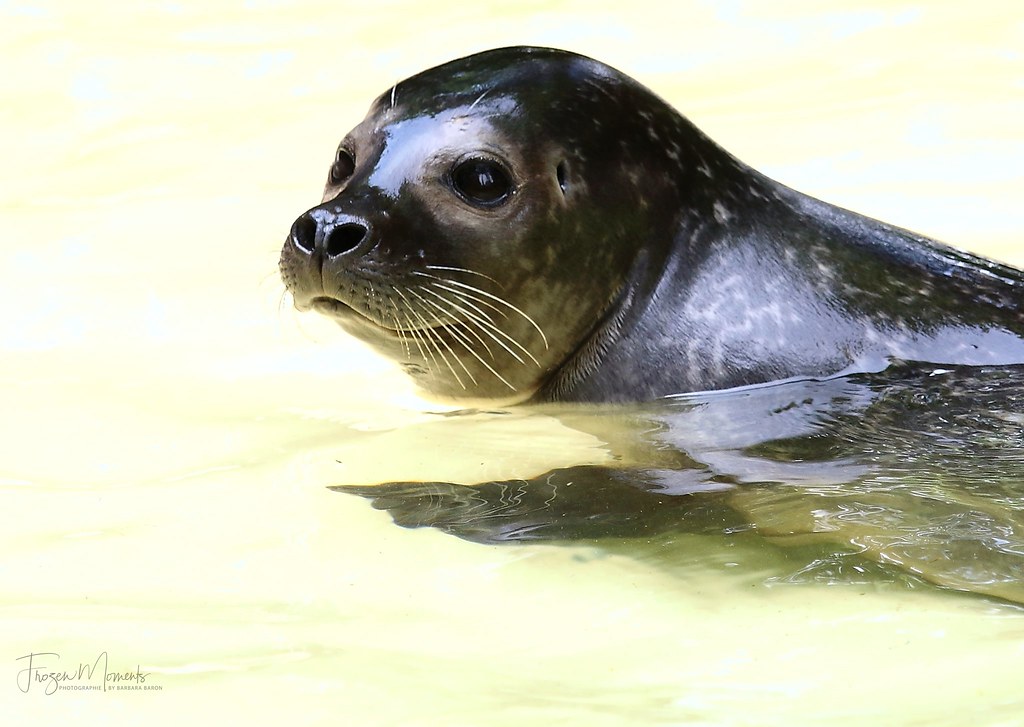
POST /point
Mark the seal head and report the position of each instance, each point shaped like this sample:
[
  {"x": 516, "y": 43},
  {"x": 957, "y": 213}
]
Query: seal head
[{"x": 475, "y": 226}]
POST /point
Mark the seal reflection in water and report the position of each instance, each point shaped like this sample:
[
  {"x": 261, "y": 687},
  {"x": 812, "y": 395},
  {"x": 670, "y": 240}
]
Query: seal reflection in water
[{"x": 528, "y": 224}]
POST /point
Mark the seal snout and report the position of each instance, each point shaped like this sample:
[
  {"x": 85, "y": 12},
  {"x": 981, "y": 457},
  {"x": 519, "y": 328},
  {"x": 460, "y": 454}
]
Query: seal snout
[{"x": 328, "y": 233}]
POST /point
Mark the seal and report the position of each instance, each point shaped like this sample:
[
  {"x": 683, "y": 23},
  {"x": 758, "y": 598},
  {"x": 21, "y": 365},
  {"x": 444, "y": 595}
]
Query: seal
[{"x": 528, "y": 224}]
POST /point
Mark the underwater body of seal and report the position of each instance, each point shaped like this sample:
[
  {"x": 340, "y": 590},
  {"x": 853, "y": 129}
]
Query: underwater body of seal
[{"x": 528, "y": 224}]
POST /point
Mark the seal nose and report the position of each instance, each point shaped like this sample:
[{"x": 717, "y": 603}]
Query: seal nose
[
  {"x": 342, "y": 238},
  {"x": 304, "y": 231},
  {"x": 333, "y": 234}
]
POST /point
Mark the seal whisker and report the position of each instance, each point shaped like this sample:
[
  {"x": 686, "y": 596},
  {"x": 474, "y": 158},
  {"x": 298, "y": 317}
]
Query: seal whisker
[
  {"x": 492, "y": 336},
  {"x": 286, "y": 300},
  {"x": 421, "y": 333},
  {"x": 273, "y": 277},
  {"x": 425, "y": 351},
  {"x": 501, "y": 300},
  {"x": 432, "y": 338},
  {"x": 470, "y": 301},
  {"x": 432, "y": 335},
  {"x": 427, "y": 355},
  {"x": 498, "y": 299},
  {"x": 431, "y": 343},
  {"x": 453, "y": 305},
  {"x": 456, "y": 270},
  {"x": 401, "y": 335},
  {"x": 448, "y": 311},
  {"x": 398, "y": 326},
  {"x": 452, "y": 328},
  {"x": 489, "y": 328},
  {"x": 478, "y": 100},
  {"x": 467, "y": 344}
]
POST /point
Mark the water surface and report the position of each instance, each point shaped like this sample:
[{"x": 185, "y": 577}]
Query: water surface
[{"x": 913, "y": 471}]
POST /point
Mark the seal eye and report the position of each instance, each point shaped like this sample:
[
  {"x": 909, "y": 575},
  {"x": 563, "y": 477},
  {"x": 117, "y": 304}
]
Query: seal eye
[
  {"x": 342, "y": 168},
  {"x": 482, "y": 182}
]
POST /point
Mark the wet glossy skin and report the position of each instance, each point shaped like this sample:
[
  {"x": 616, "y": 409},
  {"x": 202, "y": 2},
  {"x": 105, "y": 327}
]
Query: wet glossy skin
[{"x": 625, "y": 257}]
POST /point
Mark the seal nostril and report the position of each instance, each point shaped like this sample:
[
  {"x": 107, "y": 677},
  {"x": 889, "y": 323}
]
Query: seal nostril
[
  {"x": 344, "y": 238},
  {"x": 304, "y": 233}
]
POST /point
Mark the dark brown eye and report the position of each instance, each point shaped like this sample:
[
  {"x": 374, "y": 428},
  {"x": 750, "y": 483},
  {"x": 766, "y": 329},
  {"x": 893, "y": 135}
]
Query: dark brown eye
[
  {"x": 342, "y": 168},
  {"x": 481, "y": 182}
]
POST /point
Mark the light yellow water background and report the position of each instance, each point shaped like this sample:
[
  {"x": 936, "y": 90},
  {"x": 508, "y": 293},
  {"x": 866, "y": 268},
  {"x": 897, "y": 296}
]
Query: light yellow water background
[{"x": 169, "y": 430}]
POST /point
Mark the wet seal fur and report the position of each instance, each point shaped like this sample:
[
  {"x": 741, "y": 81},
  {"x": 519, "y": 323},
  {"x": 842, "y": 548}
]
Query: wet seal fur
[{"x": 530, "y": 224}]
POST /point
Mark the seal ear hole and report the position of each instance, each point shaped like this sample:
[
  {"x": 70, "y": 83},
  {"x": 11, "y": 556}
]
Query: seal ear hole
[{"x": 562, "y": 173}]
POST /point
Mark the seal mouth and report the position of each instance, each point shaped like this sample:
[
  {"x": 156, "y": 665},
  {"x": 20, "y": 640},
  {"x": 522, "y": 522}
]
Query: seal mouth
[
  {"x": 339, "y": 309},
  {"x": 335, "y": 307}
]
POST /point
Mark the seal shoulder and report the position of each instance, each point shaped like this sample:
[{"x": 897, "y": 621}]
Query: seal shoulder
[{"x": 800, "y": 287}]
